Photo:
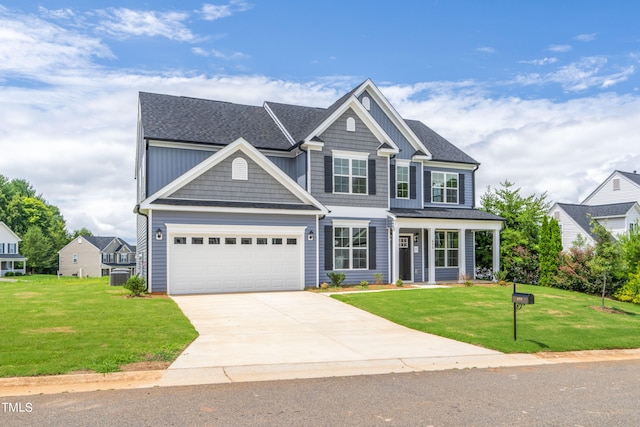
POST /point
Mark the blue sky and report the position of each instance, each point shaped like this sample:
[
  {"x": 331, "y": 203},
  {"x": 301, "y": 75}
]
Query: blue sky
[{"x": 545, "y": 94}]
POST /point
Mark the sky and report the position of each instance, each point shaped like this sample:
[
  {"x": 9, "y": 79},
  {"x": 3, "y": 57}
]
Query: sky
[{"x": 544, "y": 94}]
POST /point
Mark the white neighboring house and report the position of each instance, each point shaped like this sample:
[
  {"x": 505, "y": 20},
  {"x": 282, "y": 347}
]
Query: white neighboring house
[
  {"x": 614, "y": 204},
  {"x": 10, "y": 258},
  {"x": 95, "y": 256}
]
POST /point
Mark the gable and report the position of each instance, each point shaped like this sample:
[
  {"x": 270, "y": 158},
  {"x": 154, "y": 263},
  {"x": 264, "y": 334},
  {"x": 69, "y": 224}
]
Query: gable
[
  {"x": 336, "y": 136},
  {"x": 7, "y": 235},
  {"x": 618, "y": 187},
  {"x": 218, "y": 183}
]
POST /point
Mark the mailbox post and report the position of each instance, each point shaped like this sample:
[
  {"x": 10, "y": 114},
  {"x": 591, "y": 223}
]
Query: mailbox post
[{"x": 519, "y": 299}]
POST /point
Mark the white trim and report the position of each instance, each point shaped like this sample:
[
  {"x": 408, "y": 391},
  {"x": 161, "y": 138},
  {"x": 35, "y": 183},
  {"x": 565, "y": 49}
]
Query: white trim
[
  {"x": 275, "y": 118},
  {"x": 357, "y": 212},
  {"x": 11, "y": 233},
  {"x": 356, "y": 155},
  {"x": 225, "y": 209},
  {"x": 214, "y": 148},
  {"x": 313, "y": 145},
  {"x": 452, "y": 166},
  {"x": 265, "y": 230},
  {"x": 350, "y": 223},
  {"x": 409, "y": 236},
  {"x": 449, "y": 224}
]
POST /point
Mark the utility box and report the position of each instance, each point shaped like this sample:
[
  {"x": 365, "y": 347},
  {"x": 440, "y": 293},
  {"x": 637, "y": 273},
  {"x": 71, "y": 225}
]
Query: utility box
[
  {"x": 520, "y": 298},
  {"x": 119, "y": 276}
]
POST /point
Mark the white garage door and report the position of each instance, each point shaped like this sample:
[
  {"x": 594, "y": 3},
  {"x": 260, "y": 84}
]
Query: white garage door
[{"x": 235, "y": 260}]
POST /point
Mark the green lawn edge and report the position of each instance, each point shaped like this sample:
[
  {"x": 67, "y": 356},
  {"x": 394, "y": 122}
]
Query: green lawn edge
[
  {"x": 54, "y": 326},
  {"x": 483, "y": 315}
]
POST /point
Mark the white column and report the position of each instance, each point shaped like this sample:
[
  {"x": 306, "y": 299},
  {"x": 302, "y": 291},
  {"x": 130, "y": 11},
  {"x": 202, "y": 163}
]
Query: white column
[
  {"x": 395, "y": 251},
  {"x": 462, "y": 256},
  {"x": 496, "y": 254},
  {"x": 431, "y": 247}
]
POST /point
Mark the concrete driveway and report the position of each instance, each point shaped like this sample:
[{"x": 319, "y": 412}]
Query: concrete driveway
[{"x": 280, "y": 335}]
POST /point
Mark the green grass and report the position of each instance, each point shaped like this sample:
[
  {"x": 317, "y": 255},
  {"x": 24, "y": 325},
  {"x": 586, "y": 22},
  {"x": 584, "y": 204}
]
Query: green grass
[
  {"x": 558, "y": 321},
  {"x": 56, "y": 326}
]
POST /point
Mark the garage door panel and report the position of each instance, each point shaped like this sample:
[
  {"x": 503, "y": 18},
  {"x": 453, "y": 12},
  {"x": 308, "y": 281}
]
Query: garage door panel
[{"x": 226, "y": 267}]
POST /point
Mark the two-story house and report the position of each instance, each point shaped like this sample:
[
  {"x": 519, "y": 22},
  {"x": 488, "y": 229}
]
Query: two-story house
[
  {"x": 273, "y": 197},
  {"x": 96, "y": 256},
  {"x": 10, "y": 259},
  {"x": 615, "y": 204}
]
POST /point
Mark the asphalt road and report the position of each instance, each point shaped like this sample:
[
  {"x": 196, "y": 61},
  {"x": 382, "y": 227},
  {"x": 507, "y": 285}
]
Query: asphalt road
[{"x": 581, "y": 394}]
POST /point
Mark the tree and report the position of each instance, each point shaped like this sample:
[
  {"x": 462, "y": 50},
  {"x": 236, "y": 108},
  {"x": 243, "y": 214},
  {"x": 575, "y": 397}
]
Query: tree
[
  {"x": 549, "y": 248},
  {"x": 519, "y": 238},
  {"x": 37, "y": 248},
  {"x": 81, "y": 232},
  {"x": 607, "y": 262},
  {"x": 630, "y": 244}
]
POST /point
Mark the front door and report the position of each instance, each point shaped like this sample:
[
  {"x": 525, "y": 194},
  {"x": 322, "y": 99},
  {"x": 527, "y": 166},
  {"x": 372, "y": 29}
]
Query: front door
[{"x": 405, "y": 259}]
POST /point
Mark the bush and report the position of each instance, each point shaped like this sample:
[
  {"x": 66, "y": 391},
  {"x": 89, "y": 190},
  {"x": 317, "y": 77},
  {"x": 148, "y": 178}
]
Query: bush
[
  {"x": 336, "y": 278},
  {"x": 136, "y": 285},
  {"x": 324, "y": 285},
  {"x": 630, "y": 292},
  {"x": 9, "y": 274},
  {"x": 399, "y": 283},
  {"x": 18, "y": 273},
  {"x": 377, "y": 278},
  {"x": 364, "y": 284}
]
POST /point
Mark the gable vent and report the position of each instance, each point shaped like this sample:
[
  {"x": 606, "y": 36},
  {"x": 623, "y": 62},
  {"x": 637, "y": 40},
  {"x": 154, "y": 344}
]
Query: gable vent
[
  {"x": 616, "y": 184},
  {"x": 366, "y": 102},
  {"x": 239, "y": 169},
  {"x": 351, "y": 124}
]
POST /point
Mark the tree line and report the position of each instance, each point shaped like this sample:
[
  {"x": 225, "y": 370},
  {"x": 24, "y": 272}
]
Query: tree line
[
  {"x": 39, "y": 224},
  {"x": 531, "y": 249}
]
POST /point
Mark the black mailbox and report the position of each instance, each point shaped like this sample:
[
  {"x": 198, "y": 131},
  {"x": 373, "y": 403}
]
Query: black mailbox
[{"x": 520, "y": 298}]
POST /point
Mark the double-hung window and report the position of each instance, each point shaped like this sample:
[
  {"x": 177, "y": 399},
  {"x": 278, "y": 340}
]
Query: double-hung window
[
  {"x": 444, "y": 187},
  {"x": 446, "y": 250},
  {"x": 350, "y": 174},
  {"x": 402, "y": 182},
  {"x": 350, "y": 248}
]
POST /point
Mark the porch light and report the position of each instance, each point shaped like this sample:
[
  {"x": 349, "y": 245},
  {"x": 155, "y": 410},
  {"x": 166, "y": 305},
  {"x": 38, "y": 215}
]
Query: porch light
[
  {"x": 416, "y": 236},
  {"x": 310, "y": 235},
  {"x": 158, "y": 234}
]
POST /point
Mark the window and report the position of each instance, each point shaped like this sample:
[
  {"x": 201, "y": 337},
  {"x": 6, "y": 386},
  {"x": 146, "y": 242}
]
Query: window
[
  {"x": 1, "y": 248},
  {"x": 197, "y": 240},
  {"x": 246, "y": 241},
  {"x": 446, "y": 248},
  {"x": 75, "y": 258},
  {"x": 214, "y": 240},
  {"x": 350, "y": 248},
  {"x": 444, "y": 187},
  {"x": 124, "y": 258},
  {"x": 402, "y": 182},
  {"x": 229, "y": 240},
  {"x": 276, "y": 241},
  {"x": 179, "y": 240},
  {"x": 239, "y": 169},
  {"x": 292, "y": 241},
  {"x": 261, "y": 241},
  {"x": 349, "y": 175},
  {"x": 13, "y": 248}
]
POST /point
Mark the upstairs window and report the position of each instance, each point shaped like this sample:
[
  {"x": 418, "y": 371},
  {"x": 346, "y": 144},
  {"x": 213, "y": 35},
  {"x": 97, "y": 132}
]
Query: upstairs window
[
  {"x": 349, "y": 175},
  {"x": 13, "y": 248},
  {"x": 444, "y": 187},
  {"x": 402, "y": 182}
]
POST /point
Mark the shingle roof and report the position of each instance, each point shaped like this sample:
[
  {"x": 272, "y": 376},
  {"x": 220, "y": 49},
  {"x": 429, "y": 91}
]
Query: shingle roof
[
  {"x": 177, "y": 118},
  {"x": 631, "y": 176},
  {"x": 183, "y": 119},
  {"x": 580, "y": 213},
  {"x": 101, "y": 242},
  {"x": 440, "y": 148},
  {"x": 446, "y": 213}
]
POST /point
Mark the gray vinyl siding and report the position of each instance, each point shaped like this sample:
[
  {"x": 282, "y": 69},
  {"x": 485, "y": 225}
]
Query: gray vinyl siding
[
  {"x": 406, "y": 149},
  {"x": 161, "y": 218},
  {"x": 216, "y": 184},
  {"x": 141, "y": 245},
  {"x": 468, "y": 188},
  {"x": 287, "y": 164},
  {"x": 470, "y": 254},
  {"x": 336, "y": 137},
  {"x": 382, "y": 253},
  {"x": 167, "y": 164},
  {"x": 453, "y": 274},
  {"x": 447, "y": 274}
]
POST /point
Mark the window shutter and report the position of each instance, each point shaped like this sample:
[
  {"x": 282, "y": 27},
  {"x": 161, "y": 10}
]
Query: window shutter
[
  {"x": 412, "y": 182},
  {"x": 372, "y": 177},
  {"x": 372, "y": 248},
  {"x": 392, "y": 190},
  {"x": 461, "y": 189},
  {"x": 427, "y": 187},
  {"x": 328, "y": 174},
  {"x": 328, "y": 247}
]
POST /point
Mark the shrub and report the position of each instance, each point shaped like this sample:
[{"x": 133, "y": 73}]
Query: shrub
[
  {"x": 364, "y": 284},
  {"x": 399, "y": 283},
  {"x": 18, "y": 273},
  {"x": 324, "y": 285},
  {"x": 9, "y": 274},
  {"x": 336, "y": 278},
  {"x": 377, "y": 278},
  {"x": 136, "y": 285},
  {"x": 630, "y": 292}
]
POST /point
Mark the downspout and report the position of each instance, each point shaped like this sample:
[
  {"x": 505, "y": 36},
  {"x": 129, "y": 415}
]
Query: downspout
[{"x": 137, "y": 211}]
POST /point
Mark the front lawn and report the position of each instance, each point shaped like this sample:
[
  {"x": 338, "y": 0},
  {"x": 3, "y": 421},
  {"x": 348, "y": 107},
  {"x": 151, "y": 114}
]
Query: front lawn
[
  {"x": 558, "y": 321},
  {"x": 57, "y": 326}
]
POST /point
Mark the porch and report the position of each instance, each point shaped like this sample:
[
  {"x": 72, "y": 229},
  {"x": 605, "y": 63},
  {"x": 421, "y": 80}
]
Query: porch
[{"x": 12, "y": 263}]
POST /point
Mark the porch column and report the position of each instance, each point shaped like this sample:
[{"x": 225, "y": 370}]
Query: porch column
[
  {"x": 496, "y": 254},
  {"x": 395, "y": 251},
  {"x": 431, "y": 247},
  {"x": 462, "y": 256}
]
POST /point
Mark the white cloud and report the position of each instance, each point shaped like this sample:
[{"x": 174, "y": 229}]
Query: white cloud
[
  {"x": 486, "y": 49},
  {"x": 540, "y": 62},
  {"x": 123, "y": 23},
  {"x": 585, "y": 37},
  {"x": 219, "y": 55},
  {"x": 212, "y": 12},
  {"x": 560, "y": 48}
]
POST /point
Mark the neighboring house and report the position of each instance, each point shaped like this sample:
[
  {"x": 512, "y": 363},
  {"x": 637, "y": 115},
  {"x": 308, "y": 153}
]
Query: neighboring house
[
  {"x": 93, "y": 256},
  {"x": 10, "y": 258},
  {"x": 245, "y": 198},
  {"x": 614, "y": 204}
]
